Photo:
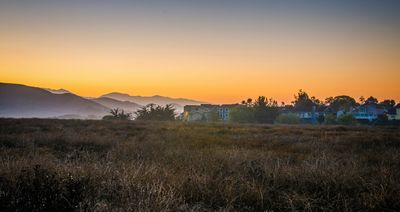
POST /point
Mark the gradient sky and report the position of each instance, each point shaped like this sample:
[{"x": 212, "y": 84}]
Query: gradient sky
[{"x": 219, "y": 51}]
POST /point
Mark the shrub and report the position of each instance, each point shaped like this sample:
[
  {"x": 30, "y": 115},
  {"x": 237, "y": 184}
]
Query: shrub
[
  {"x": 330, "y": 119},
  {"x": 108, "y": 117},
  {"x": 321, "y": 119},
  {"x": 212, "y": 116},
  {"x": 152, "y": 112},
  {"x": 172, "y": 166},
  {"x": 346, "y": 119},
  {"x": 39, "y": 189},
  {"x": 288, "y": 118},
  {"x": 266, "y": 110},
  {"x": 242, "y": 114},
  {"x": 118, "y": 114}
]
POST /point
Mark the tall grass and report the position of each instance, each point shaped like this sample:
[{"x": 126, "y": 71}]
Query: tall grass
[{"x": 68, "y": 165}]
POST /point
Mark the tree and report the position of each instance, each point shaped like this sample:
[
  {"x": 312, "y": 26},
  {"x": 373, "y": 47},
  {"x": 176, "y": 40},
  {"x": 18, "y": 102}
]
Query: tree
[
  {"x": 288, "y": 118},
  {"x": 303, "y": 102},
  {"x": 248, "y": 102},
  {"x": 118, "y": 114},
  {"x": 388, "y": 103},
  {"x": 342, "y": 103},
  {"x": 362, "y": 99},
  {"x": 371, "y": 99},
  {"x": 242, "y": 114},
  {"x": 266, "y": 110},
  {"x": 329, "y": 100},
  {"x": 152, "y": 112},
  {"x": 316, "y": 101},
  {"x": 262, "y": 110}
]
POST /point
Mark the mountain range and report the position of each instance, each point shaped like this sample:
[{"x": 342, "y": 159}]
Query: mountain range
[
  {"x": 113, "y": 103},
  {"x": 178, "y": 103},
  {"x": 21, "y": 101}
]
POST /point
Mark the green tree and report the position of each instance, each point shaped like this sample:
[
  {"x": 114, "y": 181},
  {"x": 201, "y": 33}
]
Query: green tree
[
  {"x": 303, "y": 102},
  {"x": 288, "y": 118},
  {"x": 362, "y": 99},
  {"x": 242, "y": 114},
  {"x": 329, "y": 100},
  {"x": 118, "y": 114},
  {"x": 388, "y": 103},
  {"x": 371, "y": 99},
  {"x": 266, "y": 110},
  {"x": 342, "y": 103},
  {"x": 152, "y": 112},
  {"x": 248, "y": 102}
]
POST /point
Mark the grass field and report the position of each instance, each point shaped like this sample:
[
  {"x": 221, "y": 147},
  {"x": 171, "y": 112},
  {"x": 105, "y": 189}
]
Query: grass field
[{"x": 104, "y": 165}]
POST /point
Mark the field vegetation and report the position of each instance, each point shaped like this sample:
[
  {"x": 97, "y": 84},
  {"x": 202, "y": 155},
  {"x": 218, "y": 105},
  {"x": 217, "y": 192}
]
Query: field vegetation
[{"x": 64, "y": 165}]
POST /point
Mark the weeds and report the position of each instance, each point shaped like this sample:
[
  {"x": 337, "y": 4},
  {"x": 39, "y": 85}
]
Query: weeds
[{"x": 69, "y": 165}]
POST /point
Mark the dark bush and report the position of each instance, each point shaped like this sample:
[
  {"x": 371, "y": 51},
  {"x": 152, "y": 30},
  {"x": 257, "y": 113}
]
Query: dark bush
[{"x": 39, "y": 189}]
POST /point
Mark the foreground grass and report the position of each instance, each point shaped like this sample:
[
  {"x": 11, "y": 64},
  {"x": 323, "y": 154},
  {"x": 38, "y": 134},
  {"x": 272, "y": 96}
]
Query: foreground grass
[{"x": 96, "y": 165}]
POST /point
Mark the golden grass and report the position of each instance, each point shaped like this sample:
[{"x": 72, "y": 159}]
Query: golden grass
[{"x": 102, "y": 165}]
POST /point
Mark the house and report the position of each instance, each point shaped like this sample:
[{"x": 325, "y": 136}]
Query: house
[
  {"x": 207, "y": 112},
  {"x": 398, "y": 113},
  {"x": 223, "y": 111},
  {"x": 312, "y": 116},
  {"x": 394, "y": 113},
  {"x": 198, "y": 112},
  {"x": 368, "y": 112}
]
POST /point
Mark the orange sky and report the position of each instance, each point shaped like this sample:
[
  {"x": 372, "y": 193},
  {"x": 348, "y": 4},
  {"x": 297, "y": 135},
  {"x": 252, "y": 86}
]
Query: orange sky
[{"x": 215, "y": 61}]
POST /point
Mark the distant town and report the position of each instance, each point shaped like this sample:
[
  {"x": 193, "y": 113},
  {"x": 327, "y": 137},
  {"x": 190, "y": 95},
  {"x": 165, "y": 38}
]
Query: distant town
[
  {"x": 21, "y": 101},
  {"x": 304, "y": 109}
]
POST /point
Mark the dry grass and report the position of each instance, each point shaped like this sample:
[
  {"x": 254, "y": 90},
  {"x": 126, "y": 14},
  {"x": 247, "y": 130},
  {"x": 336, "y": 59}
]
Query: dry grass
[{"x": 99, "y": 165}]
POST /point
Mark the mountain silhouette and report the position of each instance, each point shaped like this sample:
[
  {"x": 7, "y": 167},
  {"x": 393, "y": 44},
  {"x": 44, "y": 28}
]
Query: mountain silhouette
[
  {"x": 178, "y": 103},
  {"x": 20, "y": 101}
]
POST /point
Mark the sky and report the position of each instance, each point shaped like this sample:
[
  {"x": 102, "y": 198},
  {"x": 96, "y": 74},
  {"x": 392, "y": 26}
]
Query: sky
[{"x": 220, "y": 51}]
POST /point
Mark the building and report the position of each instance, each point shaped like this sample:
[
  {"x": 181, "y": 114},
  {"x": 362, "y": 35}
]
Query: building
[
  {"x": 207, "y": 112},
  {"x": 198, "y": 112},
  {"x": 398, "y": 113},
  {"x": 312, "y": 116},
  {"x": 368, "y": 112},
  {"x": 223, "y": 111},
  {"x": 394, "y": 114}
]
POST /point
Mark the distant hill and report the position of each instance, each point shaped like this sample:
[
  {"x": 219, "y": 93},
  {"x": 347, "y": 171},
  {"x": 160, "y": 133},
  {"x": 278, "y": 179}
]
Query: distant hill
[
  {"x": 159, "y": 100},
  {"x": 22, "y": 101},
  {"x": 113, "y": 103}
]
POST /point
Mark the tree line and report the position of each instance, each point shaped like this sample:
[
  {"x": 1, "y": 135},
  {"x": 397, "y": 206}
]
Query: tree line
[
  {"x": 266, "y": 110},
  {"x": 150, "y": 112}
]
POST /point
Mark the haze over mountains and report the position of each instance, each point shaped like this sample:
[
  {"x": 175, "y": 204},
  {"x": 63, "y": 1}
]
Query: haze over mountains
[
  {"x": 20, "y": 101},
  {"x": 113, "y": 103},
  {"x": 178, "y": 103},
  {"x": 57, "y": 91}
]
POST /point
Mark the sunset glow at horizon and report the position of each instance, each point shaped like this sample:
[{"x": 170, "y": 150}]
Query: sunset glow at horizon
[{"x": 213, "y": 51}]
